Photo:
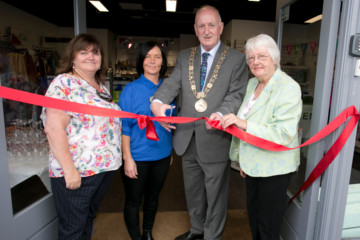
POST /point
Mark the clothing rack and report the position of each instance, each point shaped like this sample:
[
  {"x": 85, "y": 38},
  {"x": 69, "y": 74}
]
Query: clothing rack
[
  {"x": 46, "y": 49},
  {"x": 19, "y": 50},
  {"x": 4, "y": 45}
]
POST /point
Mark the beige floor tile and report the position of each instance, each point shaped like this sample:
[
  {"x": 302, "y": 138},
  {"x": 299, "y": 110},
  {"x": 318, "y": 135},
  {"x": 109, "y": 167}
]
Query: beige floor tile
[{"x": 168, "y": 225}]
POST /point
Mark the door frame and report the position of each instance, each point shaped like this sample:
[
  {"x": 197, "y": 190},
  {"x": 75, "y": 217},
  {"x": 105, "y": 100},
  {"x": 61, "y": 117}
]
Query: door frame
[
  {"x": 322, "y": 216},
  {"x": 37, "y": 221},
  {"x": 335, "y": 181}
]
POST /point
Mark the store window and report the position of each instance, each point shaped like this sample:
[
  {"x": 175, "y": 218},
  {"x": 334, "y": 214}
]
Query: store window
[{"x": 30, "y": 70}]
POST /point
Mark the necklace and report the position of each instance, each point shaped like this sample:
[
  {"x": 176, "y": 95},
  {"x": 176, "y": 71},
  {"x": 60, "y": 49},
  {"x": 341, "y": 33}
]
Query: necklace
[
  {"x": 201, "y": 104},
  {"x": 82, "y": 77},
  {"x": 104, "y": 95}
]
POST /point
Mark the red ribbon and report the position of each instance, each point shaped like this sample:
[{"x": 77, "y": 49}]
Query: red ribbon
[{"x": 146, "y": 121}]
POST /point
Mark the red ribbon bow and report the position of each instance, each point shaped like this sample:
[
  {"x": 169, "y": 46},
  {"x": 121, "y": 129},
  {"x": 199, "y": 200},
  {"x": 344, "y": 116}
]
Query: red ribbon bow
[{"x": 145, "y": 121}]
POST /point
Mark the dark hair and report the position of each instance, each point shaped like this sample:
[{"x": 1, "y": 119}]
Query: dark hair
[
  {"x": 79, "y": 43},
  {"x": 144, "y": 49}
]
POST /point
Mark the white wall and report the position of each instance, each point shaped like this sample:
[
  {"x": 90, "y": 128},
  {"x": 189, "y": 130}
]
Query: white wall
[
  {"x": 188, "y": 41},
  {"x": 32, "y": 30},
  {"x": 241, "y": 30},
  {"x": 226, "y": 34}
]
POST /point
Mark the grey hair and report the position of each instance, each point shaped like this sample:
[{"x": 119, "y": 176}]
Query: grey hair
[
  {"x": 264, "y": 40},
  {"x": 208, "y": 6}
]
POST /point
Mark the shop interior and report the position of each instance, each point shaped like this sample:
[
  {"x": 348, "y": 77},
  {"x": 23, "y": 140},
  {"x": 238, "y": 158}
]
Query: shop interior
[{"x": 32, "y": 39}]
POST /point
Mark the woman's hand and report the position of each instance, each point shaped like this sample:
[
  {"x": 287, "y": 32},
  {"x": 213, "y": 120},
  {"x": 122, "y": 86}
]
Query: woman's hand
[
  {"x": 130, "y": 168},
  {"x": 171, "y": 159},
  {"x": 242, "y": 173},
  {"x": 231, "y": 119},
  {"x": 213, "y": 116},
  {"x": 72, "y": 179}
]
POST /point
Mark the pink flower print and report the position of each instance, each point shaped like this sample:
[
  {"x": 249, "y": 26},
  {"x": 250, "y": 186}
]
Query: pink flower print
[
  {"x": 66, "y": 91},
  {"x": 51, "y": 173},
  {"x": 98, "y": 158},
  {"x": 102, "y": 143},
  {"x": 89, "y": 173},
  {"x": 107, "y": 164},
  {"x": 111, "y": 121},
  {"x": 82, "y": 117}
]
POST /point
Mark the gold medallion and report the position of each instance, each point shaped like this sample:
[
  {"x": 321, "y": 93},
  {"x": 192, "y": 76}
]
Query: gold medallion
[{"x": 201, "y": 105}]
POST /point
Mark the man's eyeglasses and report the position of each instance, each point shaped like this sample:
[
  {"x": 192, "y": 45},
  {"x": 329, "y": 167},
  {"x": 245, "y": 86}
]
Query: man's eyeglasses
[
  {"x": 104, "y": 95},
  {"x": 259, "y": 57}
]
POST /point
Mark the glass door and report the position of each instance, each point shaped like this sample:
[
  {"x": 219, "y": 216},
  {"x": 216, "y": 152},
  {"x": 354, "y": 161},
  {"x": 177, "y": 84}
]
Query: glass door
[
  {"x": 299, "y": 56},
  {"x": 317, "y": 56}
]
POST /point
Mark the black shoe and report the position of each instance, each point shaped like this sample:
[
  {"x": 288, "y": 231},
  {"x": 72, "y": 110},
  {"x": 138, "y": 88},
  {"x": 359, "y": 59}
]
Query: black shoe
[
  {"x": 189, "y": 236},
  {"x": 147, "y": 235}
]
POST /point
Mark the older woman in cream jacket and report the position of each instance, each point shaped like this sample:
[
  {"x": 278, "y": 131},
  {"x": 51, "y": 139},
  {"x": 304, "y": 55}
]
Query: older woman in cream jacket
[{"x": 271, "y": 110}]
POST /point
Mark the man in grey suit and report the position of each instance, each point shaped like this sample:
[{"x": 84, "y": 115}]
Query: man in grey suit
[{"x": 204, "y": 151}]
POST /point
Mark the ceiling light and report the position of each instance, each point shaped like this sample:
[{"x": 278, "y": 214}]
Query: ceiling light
[
  {"x": 99, "y": 6},
  {"x": 171, "y": 5},
  {"x": 314, "y": 19},
  {"x": 254, "y": 0}
]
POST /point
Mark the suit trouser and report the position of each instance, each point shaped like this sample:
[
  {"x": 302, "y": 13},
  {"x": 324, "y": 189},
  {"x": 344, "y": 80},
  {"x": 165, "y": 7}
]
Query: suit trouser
[
  {"x": 266, "y": 199},
  {"x": 77, "y": 208},
  {"x": 206, "y": 189},
  {"x": 149, "y": 182}
]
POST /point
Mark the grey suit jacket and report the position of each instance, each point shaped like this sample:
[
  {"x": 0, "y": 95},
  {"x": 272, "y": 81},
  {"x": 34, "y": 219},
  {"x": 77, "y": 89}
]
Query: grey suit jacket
[{"x": 225, "y": 97}]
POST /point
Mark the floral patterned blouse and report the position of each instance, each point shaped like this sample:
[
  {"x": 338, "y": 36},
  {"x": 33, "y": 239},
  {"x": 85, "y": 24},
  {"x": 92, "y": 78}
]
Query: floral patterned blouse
[{"x": 94, "y": 141}]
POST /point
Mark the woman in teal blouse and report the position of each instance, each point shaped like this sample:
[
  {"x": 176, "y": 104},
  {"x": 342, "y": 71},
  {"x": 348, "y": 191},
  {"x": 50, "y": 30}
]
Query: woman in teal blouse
[{"x": 271, "y": 110}]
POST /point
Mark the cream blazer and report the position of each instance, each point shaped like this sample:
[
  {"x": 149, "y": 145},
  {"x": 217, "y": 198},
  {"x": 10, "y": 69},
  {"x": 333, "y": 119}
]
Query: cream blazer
[{"x": 274, "y": 116}]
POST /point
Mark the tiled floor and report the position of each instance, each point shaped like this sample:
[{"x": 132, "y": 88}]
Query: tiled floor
[
  {"x": 172, "y": 217},
  {"x": 168, "y": 225}
]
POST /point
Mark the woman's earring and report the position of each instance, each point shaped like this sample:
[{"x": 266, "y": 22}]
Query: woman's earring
[{"x": 73, "y": 66}]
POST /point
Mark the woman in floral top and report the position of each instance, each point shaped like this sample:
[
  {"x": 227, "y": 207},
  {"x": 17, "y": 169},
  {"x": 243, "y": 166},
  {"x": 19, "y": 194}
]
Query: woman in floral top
[{"x": 84, "y": 149}]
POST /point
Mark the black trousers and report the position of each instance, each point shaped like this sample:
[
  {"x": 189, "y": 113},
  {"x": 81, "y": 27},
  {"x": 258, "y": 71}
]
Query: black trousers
[
  {"x": 77, "y": 208},
  {"x": 151, "y": 178},
  {"x": 266, "y": 198}
]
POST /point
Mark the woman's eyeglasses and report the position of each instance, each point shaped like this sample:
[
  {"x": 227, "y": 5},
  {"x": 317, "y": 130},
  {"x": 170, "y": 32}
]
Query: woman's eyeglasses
[
  {"x": 259, "y": 57},
  {"x": 104, "y": 95}
]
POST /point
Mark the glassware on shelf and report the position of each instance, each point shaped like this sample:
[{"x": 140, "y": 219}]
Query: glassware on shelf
[{"x": 27, "y": 141}]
